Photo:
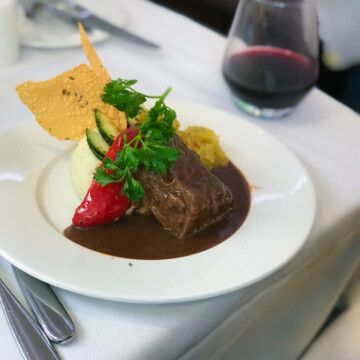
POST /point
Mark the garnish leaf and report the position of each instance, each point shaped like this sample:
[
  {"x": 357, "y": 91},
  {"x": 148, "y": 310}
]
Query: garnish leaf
[
  {"x": 103, "y": 177},
  {"x": 133, "y": 189},
  {"x": 148, "y": 149},
  {"x": 120, "y": 94},
  {"x": 158, "y": 158}
]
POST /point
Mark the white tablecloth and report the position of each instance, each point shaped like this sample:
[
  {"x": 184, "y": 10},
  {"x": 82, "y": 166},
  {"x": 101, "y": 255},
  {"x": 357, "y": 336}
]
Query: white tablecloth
[{"x": 273, "y": 319}]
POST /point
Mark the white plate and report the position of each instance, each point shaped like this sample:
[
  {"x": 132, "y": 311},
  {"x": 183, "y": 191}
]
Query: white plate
[
  {"x": 37, "y": 202},
  {"x": 49, "y": 32}
]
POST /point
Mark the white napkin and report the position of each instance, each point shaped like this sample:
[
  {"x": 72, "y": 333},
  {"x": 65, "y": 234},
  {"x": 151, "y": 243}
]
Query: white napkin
[
  {"x": 341, "y": 339},
  {"x": 340, "y": 31},
  {"x": 9, "y": 47}
]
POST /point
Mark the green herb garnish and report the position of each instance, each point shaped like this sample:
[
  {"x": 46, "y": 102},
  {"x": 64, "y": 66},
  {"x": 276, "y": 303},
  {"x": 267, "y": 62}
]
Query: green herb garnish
[{"x": 148, "y": 149}]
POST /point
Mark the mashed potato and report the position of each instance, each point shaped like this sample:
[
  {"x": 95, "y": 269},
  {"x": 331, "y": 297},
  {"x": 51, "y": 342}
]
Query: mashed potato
[{"x": 82, "y": 166}]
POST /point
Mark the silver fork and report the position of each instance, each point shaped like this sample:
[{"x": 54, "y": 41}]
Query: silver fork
[
  {"x": 31, "y": 340},
  {"x": 47, "y": 308}
]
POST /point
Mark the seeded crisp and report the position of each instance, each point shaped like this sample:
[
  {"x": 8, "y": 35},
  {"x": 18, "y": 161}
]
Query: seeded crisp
[
  {"x": 64, "y": 105},
  {"x": 93, "y": 59}
]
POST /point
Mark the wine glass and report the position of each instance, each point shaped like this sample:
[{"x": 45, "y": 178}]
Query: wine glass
[{"x": 271, "y": 60}]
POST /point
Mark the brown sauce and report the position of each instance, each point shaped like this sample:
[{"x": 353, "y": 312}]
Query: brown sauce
[{"x": 142, "y": 237}]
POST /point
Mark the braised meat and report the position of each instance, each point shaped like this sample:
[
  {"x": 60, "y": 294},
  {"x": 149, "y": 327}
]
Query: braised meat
[{"x": 188, "y": 197}]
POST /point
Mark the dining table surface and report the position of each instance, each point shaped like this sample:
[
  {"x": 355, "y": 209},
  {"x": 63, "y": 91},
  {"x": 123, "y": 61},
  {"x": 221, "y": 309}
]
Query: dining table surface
[{"x": 274, "y": 318}]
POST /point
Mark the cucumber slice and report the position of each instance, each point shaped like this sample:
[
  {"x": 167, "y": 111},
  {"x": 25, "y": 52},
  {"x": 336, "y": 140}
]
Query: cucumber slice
[
  {"x": 96, "y": 144},
  {"x": 105, "y": 127}
]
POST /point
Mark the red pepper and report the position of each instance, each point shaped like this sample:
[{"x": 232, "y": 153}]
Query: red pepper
[{"x": 103, "y": 204}]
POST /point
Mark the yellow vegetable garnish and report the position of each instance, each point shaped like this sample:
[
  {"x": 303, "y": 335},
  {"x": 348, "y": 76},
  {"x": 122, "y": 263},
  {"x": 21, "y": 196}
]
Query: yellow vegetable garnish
[{"x": 204, "y": 142}]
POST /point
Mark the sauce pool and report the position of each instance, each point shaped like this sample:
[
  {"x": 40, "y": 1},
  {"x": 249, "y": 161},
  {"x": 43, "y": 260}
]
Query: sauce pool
[{"x": 140, "y": 236}]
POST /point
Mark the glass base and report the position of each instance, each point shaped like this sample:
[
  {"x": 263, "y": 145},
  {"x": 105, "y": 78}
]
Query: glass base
[{"x": 265, "y": 113}]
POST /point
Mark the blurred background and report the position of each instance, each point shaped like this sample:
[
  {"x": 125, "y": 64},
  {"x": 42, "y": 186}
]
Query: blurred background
[{"x": 340, "y": 54}]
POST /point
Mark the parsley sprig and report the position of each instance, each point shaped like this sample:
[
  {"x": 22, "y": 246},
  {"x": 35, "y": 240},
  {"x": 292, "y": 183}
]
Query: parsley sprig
[{"x": 148, "y": 149}]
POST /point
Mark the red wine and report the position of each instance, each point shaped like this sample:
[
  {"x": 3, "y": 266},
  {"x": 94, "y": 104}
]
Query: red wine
[{"x": 270, "y": 77}]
